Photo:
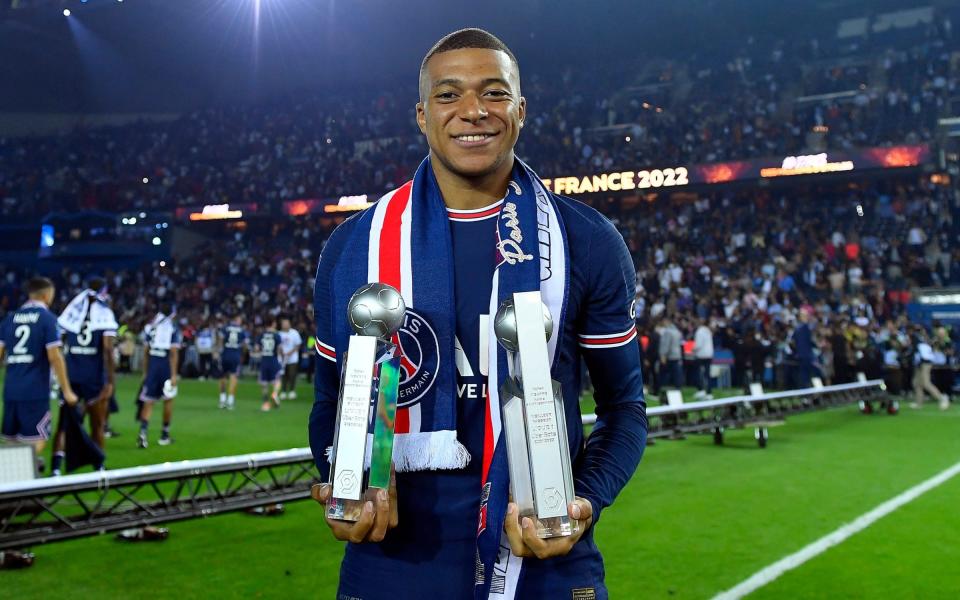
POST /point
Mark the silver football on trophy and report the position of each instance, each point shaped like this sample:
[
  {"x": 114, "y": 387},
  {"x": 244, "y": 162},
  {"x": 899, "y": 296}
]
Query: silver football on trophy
[
  {"x": 377, "y": 310},
  {"x": 505, "y": 325}
]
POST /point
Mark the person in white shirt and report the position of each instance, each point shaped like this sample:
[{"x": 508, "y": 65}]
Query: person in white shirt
[
  {"x": 924, "y": 359},
  {"x": 290, "y": 342},
  {"x": 703, "y": 354}
]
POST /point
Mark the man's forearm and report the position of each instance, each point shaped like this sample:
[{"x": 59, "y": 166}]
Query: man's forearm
[
  {"x": 59, "y": 369},
  {"x": 108, "y": 362},
  {"x": 611, "y": 455},
  {"x": 174, "y": 355}
]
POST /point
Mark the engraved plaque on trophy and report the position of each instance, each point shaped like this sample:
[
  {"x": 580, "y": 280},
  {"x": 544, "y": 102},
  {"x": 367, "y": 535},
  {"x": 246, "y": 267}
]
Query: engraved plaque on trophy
[
  {"x": 362, "y": 452},
  {"x": 534, "y": 423}
]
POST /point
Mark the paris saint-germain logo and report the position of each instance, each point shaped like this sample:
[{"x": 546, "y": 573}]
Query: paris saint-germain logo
[{"x": 420, "y": 358}]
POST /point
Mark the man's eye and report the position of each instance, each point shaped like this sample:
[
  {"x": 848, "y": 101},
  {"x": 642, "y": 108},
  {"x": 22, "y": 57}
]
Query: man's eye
[
  {"x": 446, "y": 96},
  {"x": 497, "y": 93}
]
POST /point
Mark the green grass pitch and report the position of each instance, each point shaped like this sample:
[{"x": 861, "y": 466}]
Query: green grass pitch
[{"x": 695, "y": 520}]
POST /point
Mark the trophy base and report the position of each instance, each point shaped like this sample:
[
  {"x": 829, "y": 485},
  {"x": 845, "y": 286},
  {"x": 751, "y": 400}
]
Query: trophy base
[
  {"x": 341, "y": 509},
  {"x": 554, "y": 527},
  {"x": 344, "y": 510}
]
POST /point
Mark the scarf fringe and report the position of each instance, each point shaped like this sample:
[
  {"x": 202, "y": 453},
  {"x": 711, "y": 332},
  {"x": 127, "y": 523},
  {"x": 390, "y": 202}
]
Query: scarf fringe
[
  {"x": 429, "y": 451},
  {"x": 425, "y": 451}
]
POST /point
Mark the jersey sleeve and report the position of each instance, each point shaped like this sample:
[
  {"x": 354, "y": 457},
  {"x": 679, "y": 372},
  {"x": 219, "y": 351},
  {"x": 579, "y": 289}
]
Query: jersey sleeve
[
  {"x": 50, "y": 331},
  {"x": 327, "y": 376},
  {"x": 608, "y": 343}
]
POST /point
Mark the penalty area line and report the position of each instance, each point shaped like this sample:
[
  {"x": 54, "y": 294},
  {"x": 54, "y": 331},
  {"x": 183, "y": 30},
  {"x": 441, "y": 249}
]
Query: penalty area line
[{"x": 771, "y": 572}]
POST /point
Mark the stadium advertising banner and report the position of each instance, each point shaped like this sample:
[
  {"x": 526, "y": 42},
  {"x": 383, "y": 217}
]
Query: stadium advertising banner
[
  {"x": 726, "y": 172},
  {"x": 662, "y": 178},
  {"x": 217, "y": 212},
  {"x": 312, "y": 206}
]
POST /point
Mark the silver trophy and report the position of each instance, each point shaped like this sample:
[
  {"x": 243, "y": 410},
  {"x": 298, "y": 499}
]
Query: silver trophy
[
  {"x": 534, "y": 423},
  {"x": 362, "y": 452}
]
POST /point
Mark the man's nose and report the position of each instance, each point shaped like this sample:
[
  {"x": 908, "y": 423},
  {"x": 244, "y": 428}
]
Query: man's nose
[{"x": 472, "y": 108}]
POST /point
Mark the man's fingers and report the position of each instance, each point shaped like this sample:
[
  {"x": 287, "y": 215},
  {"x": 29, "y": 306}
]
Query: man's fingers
[
  {"x": 531, "y": 540},
  {"x": 580, "y": 509},
  {"x": 360, "y": 529},
  {"x": 511, "y": 525},
  {"x": 382, "y": 517},
  {"x": 320, "y": 492}
]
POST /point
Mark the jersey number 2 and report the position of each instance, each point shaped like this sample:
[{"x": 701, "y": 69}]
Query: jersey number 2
[{"x": 23, "y": 335}]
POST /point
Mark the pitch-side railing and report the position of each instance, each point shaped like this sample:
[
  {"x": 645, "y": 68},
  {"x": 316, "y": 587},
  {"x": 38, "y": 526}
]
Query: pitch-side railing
[{"x": 53, "y": 509}]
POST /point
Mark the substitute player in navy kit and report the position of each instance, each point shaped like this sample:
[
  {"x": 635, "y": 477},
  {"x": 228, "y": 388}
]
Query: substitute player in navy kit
[
  {"x": 91, "y": 369},
  {"x": 160, "y": 372},
  {"x": 271, "y": 370},
  {"x": 234, "y": 339},
  {"x": 31, "y": 342},
  {"x": 421, "y": 537}
]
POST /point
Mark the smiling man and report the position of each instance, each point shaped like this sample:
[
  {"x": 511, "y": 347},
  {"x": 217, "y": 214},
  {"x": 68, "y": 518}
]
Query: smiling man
[{"x": 474, "y": 226}]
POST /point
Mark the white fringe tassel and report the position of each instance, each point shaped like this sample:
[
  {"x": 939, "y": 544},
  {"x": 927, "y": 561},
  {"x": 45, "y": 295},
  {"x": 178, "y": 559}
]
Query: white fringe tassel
[
  {"x": 423, "y": 451},
  {"x": 428, "y": 451}
]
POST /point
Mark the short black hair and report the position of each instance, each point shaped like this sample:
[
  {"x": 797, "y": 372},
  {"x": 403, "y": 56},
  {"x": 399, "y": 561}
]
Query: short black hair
[
  {"x": 96, "y": 283},
  {"x": 471, "y": 37},
  {"x": 38, "y": 285}
]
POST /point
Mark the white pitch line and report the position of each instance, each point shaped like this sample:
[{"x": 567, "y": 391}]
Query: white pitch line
[{"x": 771, "y": 572}]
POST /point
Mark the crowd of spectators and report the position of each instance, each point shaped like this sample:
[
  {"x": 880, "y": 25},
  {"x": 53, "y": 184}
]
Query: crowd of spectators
[
  {"x": 744, "y": 265},
  {"x": 644, "y": 112},
  {"x": 747, "y": 265}
]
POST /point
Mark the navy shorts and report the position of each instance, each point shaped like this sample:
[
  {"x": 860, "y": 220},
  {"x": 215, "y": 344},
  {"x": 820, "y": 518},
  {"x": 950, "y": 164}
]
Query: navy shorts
[
  {"x": 152, "y": 390},
  {"x": 26, "y": 421},
  {"x": 270, "y": 371},
  {"x": 229, "y": 365},
  {"x": 87, "y": 393}
]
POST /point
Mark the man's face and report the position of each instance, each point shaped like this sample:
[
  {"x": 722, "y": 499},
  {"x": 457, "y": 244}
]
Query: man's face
[
  {"x": 285, "y": 324},
  {"x": 471, "y": 110}
]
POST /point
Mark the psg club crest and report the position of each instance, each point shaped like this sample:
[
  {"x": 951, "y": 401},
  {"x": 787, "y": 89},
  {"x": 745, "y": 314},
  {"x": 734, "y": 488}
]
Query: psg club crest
[{"x": 420, "y": 358}]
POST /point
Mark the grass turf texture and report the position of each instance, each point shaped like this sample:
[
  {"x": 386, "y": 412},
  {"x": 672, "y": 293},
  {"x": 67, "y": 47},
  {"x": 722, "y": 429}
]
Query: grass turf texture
[{"x": 696, "y": 519}]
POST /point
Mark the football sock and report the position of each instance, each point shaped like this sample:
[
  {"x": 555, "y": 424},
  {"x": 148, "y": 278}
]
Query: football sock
[
  {"x": 143, "y": 426},
  {"x": 166, "y": 430},
  {"x": 57, "y": 460}
]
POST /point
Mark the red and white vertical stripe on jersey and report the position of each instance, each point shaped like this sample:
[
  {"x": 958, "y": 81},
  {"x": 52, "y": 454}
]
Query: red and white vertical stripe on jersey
[
  {"x": 326, "y": 351},
  {"x": 608, "y": 340}
]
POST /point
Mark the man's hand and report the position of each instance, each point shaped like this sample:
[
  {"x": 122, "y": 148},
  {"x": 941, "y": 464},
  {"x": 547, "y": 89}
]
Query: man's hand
[
  {"x": 377, "y": 518},
  {"x": 523, "y": 535},
  {"x": 70, "y": 397}
]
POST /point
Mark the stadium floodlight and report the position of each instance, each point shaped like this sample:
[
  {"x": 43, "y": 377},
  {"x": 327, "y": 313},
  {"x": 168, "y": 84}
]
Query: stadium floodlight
[
  {"x": 146, "y": 180},
  {"x": 157, "y": 241},
  {"x": 66, "y": 12}
]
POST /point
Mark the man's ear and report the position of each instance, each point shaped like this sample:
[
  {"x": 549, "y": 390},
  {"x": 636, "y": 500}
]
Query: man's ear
[
  {"x": 422, "y": 118},
  {"x": 523, "y": 110}
]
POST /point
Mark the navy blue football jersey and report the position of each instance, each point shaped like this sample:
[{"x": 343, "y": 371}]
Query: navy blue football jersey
[
  {"x": 26, "y": 334},
  {"x": 269, "y": 345},
  {"x": 161, "y": 335},
  {"x": 234, "y": 339},
  {"x": 438, "y": 510},
  {"x": 84, "y": 353}
]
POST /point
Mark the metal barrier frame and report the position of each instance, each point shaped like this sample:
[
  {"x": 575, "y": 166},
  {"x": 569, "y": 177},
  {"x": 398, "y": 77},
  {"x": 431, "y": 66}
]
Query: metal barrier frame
[{"x": 59, "y": 508}]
